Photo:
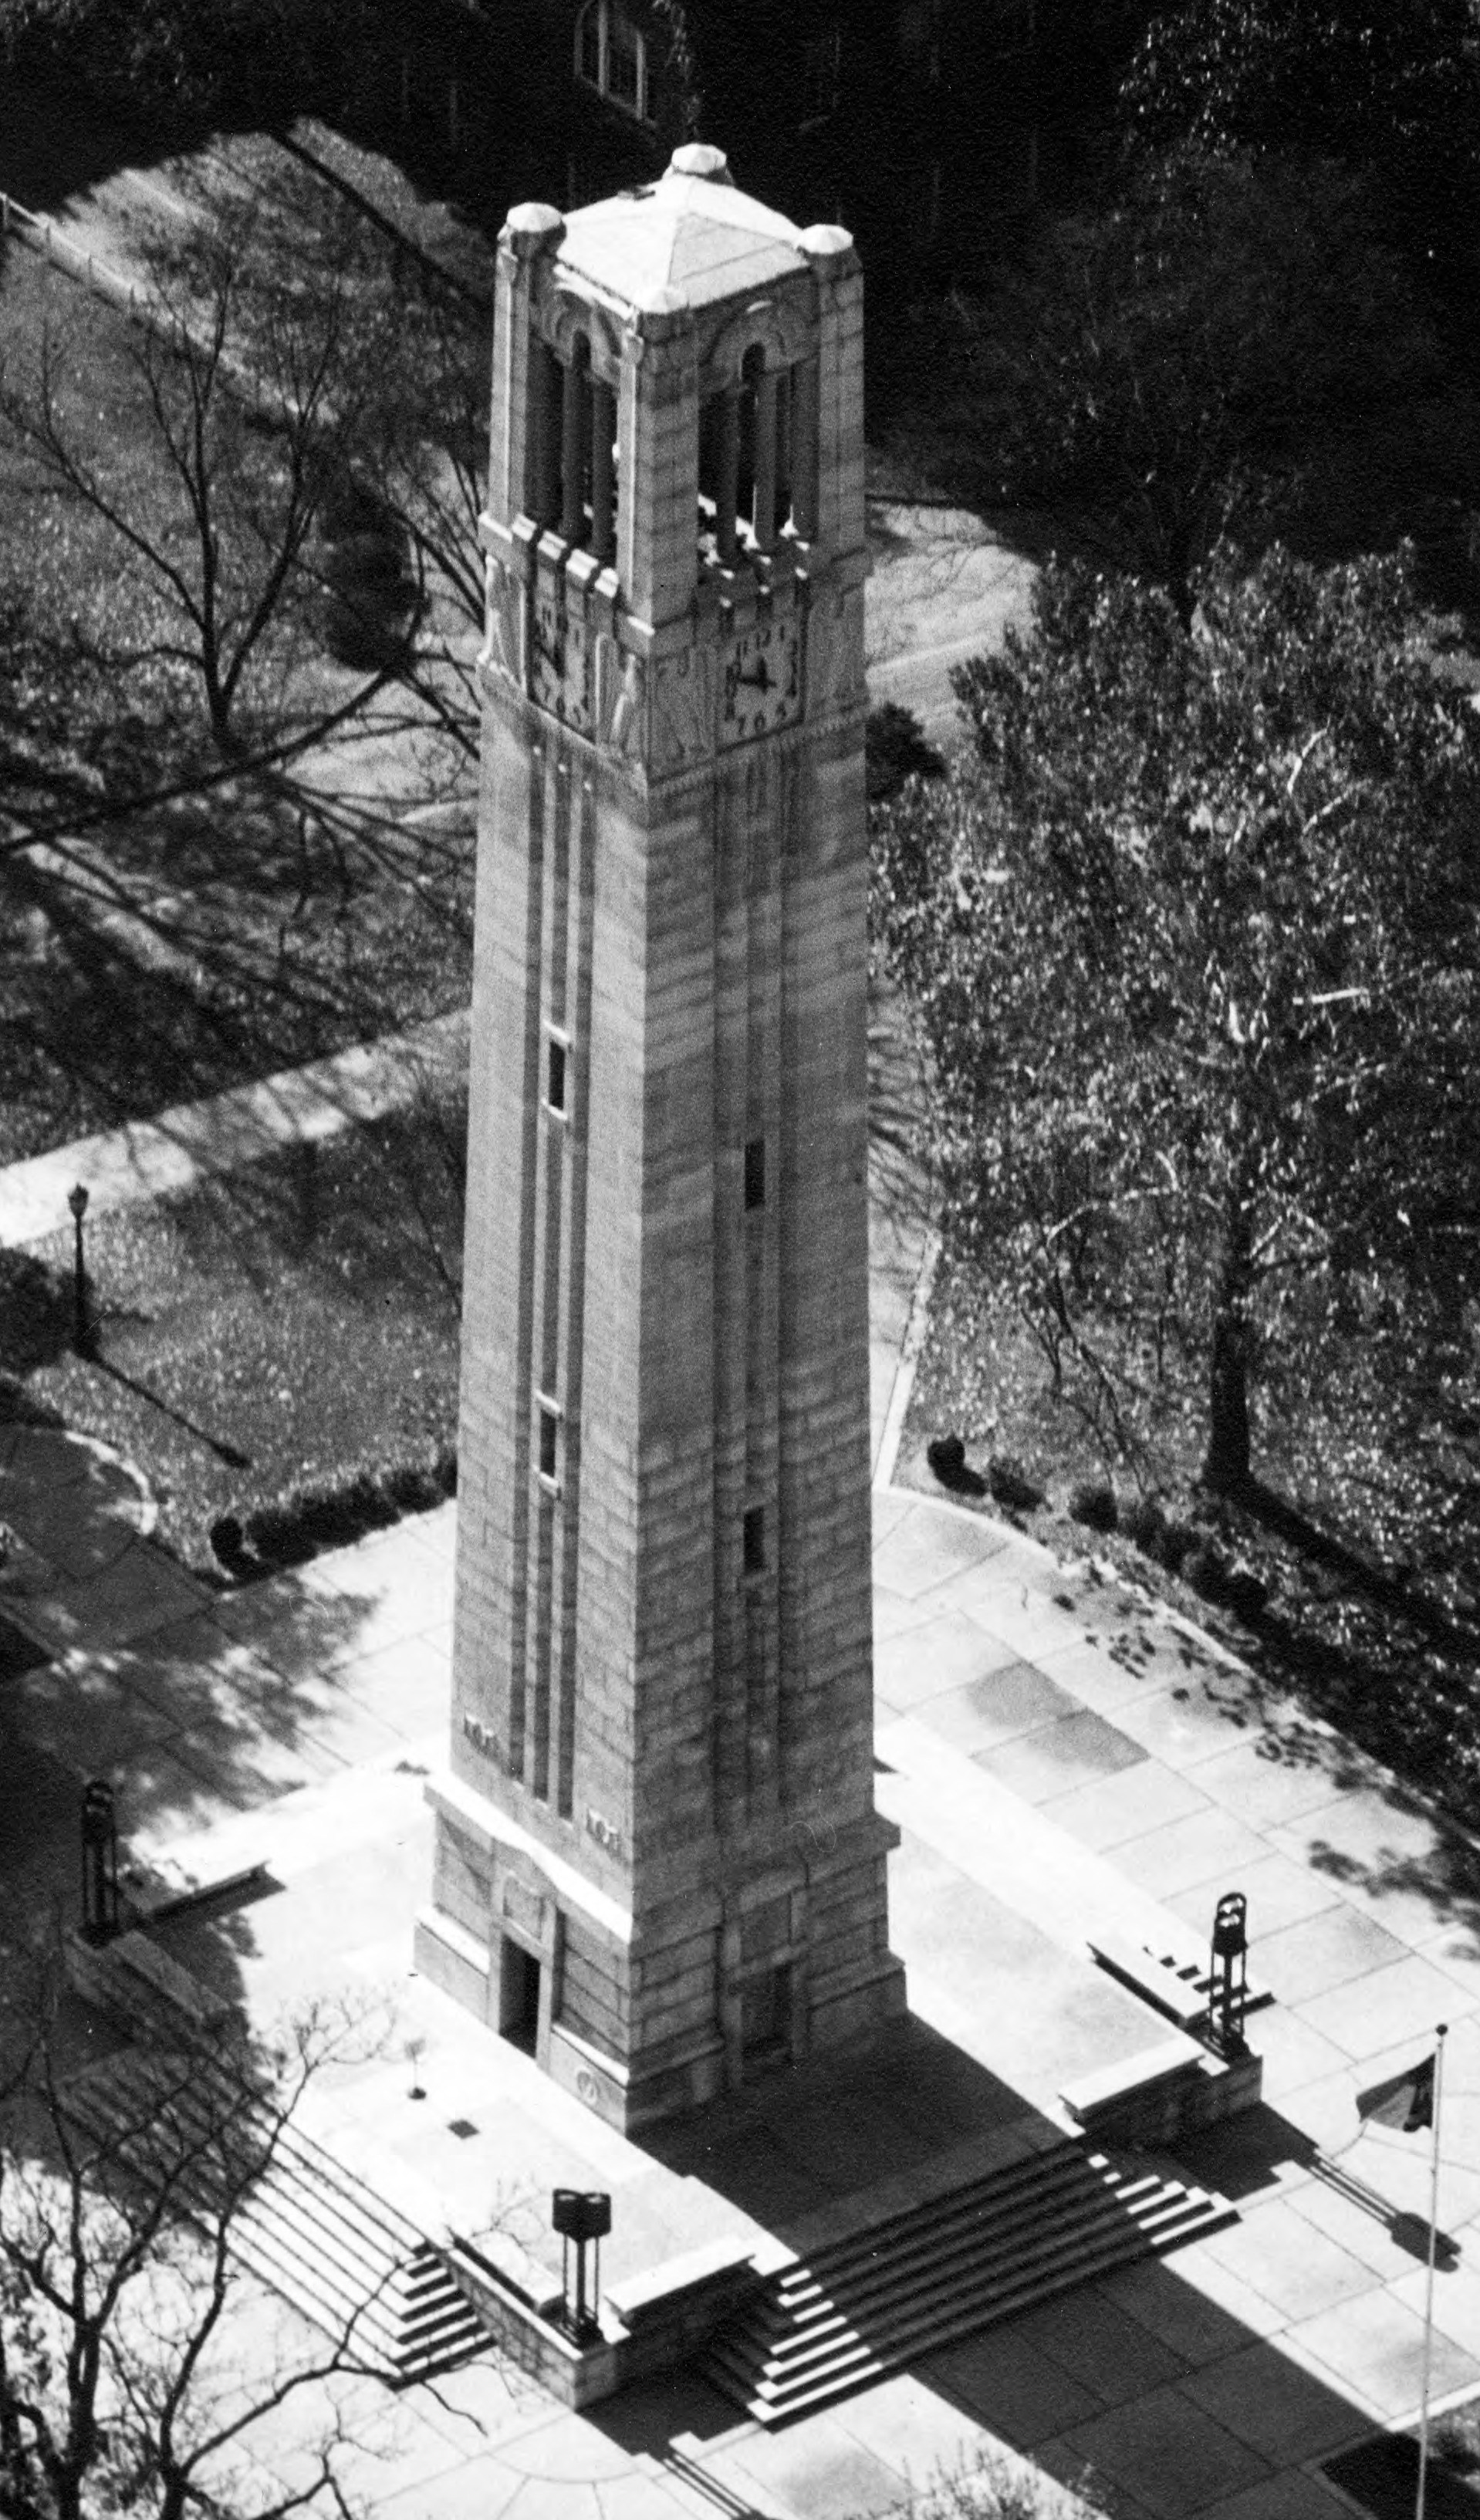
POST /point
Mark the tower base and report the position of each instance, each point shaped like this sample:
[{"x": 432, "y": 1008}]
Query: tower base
[{"x": 776, "y": 1956}]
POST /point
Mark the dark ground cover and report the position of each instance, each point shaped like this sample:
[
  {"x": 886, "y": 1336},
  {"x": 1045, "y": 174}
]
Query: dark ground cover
[{"x": 286, "y": 1327}]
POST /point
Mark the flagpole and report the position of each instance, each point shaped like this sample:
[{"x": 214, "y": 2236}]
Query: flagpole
[{"x": 1429, "y": 2294}]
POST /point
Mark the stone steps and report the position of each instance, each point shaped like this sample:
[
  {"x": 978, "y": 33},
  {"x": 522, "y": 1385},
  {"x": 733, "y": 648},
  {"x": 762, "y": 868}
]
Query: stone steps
[
  {"x": 305, "y": 2226},
  {"x": 929, "y": 2276}
]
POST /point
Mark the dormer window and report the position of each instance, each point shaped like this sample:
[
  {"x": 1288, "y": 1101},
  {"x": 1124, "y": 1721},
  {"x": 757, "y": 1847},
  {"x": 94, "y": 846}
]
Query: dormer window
[{"x": 611, "y": 57}]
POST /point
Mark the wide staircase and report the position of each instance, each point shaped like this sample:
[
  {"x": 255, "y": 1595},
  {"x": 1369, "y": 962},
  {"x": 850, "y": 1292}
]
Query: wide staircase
[
  {"x": 346, "y": 2258},
  {"x": 930, "y": 2276}
]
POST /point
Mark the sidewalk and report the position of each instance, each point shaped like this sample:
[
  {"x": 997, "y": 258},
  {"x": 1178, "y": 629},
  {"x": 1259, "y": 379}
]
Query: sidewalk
[{"x": 1057, "y": 1756}]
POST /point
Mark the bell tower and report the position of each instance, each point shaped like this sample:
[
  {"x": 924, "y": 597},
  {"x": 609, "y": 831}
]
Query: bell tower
[{"x": 659, "y": 1864}]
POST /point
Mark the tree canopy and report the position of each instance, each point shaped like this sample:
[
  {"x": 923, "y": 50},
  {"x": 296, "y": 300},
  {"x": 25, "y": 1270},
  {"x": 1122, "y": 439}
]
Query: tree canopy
[
  {"x": 1389, "y": 88},
  {"x": 1194, "y": 946},
  {"x": 1160, "y": 366}
]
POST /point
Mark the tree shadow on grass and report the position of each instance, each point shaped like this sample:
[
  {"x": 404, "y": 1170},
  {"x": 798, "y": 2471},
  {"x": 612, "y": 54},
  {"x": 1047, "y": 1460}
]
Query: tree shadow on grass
[{"x": 234, "y": 1458}]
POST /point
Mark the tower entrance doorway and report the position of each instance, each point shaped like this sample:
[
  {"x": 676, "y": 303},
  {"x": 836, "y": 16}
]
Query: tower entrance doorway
[{"x": 519, "y": 1997}]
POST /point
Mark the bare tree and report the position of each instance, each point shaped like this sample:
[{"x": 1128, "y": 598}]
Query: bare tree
[
  {"x": 121, "y": 2227},
  {"x": 210, "y": 480}
]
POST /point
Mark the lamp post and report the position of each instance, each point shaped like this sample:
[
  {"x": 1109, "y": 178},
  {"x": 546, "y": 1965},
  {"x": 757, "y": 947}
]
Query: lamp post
[{"x": 76, "y": 1200}]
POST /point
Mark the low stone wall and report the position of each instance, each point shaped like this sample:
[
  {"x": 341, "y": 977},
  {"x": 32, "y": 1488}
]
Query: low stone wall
[
  {"x": 1163, "y": 2092},
  {"x": 649, "y": 2323}
]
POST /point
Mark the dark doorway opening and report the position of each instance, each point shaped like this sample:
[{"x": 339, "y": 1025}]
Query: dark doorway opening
[
  {"x": 519, "y": 1997},
  {"x": 766, "y": 2021}
]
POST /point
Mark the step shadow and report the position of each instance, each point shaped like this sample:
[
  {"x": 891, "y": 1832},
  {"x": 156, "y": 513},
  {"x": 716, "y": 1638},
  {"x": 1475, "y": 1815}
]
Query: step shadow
[{"x": 819, "y": 2137}]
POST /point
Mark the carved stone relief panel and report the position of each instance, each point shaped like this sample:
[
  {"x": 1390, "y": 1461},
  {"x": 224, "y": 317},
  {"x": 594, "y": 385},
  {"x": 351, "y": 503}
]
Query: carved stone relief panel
[{"x": 683, "y": 709}]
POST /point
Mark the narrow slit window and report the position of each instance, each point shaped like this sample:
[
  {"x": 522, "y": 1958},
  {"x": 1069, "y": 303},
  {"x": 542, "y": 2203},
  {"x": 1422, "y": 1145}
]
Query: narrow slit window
[
  {"x": 550, "y": 1442},
  {"x": 755, "y": 1172},
  {"x": 556, "y": 1074},
  {"x": 753, "y": 1551}
]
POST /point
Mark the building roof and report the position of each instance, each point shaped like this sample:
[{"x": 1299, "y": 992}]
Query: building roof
[{"x": 684, "y": 240}]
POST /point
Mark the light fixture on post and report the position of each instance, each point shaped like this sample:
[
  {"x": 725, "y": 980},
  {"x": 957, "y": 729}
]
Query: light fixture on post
[{"x": 76, "y": 1200}]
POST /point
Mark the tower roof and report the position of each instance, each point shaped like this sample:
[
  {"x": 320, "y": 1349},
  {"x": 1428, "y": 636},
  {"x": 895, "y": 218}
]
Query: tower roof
[{"x": 684, "y": 240}]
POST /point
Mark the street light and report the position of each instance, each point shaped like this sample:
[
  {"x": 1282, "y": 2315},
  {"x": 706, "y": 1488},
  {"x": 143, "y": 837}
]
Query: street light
[{"x": 76, "y": 1200}]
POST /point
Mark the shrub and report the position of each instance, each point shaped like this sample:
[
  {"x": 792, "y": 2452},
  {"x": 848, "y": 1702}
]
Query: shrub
[
  {"x": 896, "y": 748},
  {"x": 1144, "y": 1522},
  {"x": 296, "y": 1526},
  {"x": 1206, "y": 1571},
  {"x": 1175, "y": 1544},
  {"x": 1092, "y": 1501},
  {"x": 1246, "y": 1592},
  {"x": 1012, "y": 1486}
]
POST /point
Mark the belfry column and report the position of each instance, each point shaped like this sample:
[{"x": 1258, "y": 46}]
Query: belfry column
[{"x": 660, "y": 1869}]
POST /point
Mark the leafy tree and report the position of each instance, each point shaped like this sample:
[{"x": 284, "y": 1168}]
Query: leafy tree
[
  {"x": 1389, "y": 88},
  {"x": 1193, "y": 948},
  {"x": 1159, "y": 368},
  {"x": 119, "y": 2386}
]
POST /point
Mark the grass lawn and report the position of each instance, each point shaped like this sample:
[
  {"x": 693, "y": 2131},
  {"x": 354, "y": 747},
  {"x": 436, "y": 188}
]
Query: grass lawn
[
  {"x": 1362, "y": 1544},
  {"x": 284, "y": 1326},
  {"x": 207, "y": 942}
]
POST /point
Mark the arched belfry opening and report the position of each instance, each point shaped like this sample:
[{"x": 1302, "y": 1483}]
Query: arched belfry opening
[{"x": 660, "y": 1867}]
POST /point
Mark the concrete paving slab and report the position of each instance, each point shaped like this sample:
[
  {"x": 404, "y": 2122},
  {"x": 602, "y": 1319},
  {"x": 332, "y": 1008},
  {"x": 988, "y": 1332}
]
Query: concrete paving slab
[
  {"x": 1161, "y": 2296},
  {"x": 910, "y": 2427},
  {"x": 1168, "y": 2452},
  {"x": 1114, "y": 1810},
  {"x": 1456, "y": 2299},
  {"x": 1281, "y": 1893},
  {"x": 1209, "y": 1846},
  {"x": 928, "y": 1546},
  {"x": 1282, "y": 2411},
  {"x": 1186, "y": 1721},
  {"x": 1362, "y": 2223},
  {"x": 406, "y": 1686},
  {"x": 934, "y": 1655},
  {"x": 476, "y": 2489},
  {"x": 1375, "y": 2345},
  {"x": 1011, "y": 2387},
  {"x": 894, "y": 1615},
  {"x": 397, "y": 1564},
  {"x": 291, "y": 1626},
  {"x": 814, "y": 2468},
  {"x": 1013, "y": 1699},
  {"x": 1093, "y": 1674},
  {"x": 77, "y": 1710},
  {"x": 1283, "y": 2258},
  {"x": 1273, "y": 1780},
  {"x": 888, "y": 1509},
  {"x": 1380, "y": 2007},
  {"x": 1016, "y": 1851},
  {"x": 1075, "y": 1749},
  {"x": 80, "y": 1528},
  {"x": 1290, "y": 2496},
  {"x": 135, "y": 1593},
  {"x": 1295, "y": 2053},
  {"x": 1457, "y": 1952},
  {"x": 1114, "y": 2358},
  {"x": 1325, "y": 1952}
]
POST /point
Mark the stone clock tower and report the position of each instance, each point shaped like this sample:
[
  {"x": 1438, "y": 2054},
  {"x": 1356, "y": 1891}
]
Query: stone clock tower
[{"x": 658, "y": 1865}]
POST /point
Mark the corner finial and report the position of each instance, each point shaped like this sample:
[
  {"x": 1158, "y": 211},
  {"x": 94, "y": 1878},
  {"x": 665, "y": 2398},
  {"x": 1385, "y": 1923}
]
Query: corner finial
[
  {"x": 698, "y": 157},
  {"x": 532, "y": 228}
]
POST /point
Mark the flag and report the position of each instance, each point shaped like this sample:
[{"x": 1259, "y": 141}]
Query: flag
[{"x": 1407, "y": 2102}]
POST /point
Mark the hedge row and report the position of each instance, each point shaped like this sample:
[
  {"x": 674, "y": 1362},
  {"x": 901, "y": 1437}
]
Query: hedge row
[{"x": 296, "y": 1526}]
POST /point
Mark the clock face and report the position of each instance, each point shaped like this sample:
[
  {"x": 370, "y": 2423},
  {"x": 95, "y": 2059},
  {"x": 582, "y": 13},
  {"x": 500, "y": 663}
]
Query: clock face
[
  {"x": 559, "y": 664},
  {"x": 762, "y": 680}
]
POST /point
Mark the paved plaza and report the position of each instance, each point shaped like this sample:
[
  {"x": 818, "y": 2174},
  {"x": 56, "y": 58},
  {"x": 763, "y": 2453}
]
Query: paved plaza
[{"x": 1060, "y": 1758}]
